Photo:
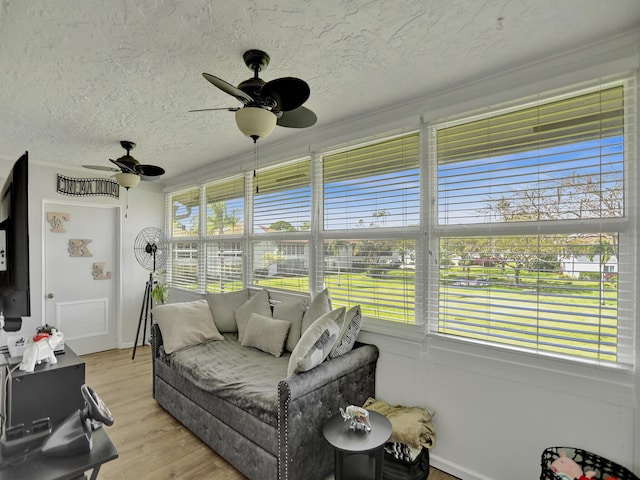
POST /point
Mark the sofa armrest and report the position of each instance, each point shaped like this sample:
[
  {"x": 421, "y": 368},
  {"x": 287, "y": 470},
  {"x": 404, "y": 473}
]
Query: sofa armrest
[
  {"x": 156, "y": 340},
  {"x": 307, "y": 400},
  {"x": 327, "y": 372}
]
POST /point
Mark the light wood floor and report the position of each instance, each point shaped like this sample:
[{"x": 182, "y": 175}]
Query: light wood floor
[{"x": 151, "y": 443}]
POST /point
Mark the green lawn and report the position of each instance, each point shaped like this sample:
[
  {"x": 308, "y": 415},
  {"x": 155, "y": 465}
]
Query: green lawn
[{"x": 544, "y": 311}]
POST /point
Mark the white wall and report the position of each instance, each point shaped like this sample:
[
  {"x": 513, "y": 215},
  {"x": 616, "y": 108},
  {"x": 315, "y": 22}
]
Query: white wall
[
  {"x": 496, "y": 411},
  {"x": 146, "y": 203}
]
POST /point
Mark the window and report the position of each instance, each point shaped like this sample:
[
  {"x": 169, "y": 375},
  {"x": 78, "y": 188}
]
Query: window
[
  {"x": 184, "y": 266},
  {"x": 282, "y": 226},
  {"x": 282, "y": 198},
  {"x": 531, "y": 235},
  {"x": 371, "y": 222},
  {"x": 225, "y": 207}
]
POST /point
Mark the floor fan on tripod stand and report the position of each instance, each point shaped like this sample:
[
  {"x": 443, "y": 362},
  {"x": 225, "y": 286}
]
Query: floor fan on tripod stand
[{"x": 150, "y": 248}]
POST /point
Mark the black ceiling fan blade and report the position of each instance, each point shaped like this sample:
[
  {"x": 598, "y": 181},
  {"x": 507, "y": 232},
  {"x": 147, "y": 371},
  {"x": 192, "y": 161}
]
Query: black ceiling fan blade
[
  {"x": 289, "y": 93},
  {"x": 300, "y": 117},
  {"x": 228, "y": 88},
  {"x": 149, "y": 170},
  {"x": 124, "y": 167},
  {"x": 229, "y": 109},
  {"x": 100, "y": 167}
]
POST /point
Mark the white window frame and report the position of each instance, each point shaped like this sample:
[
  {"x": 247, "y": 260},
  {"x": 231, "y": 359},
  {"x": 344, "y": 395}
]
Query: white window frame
[{"x": 627, "y": 226}]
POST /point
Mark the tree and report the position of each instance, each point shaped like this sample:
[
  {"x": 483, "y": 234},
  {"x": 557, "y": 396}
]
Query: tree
[
  {"x": 218, "y": 218},
  {"x": 575, "y": 197},
  {"x": 282, "y": 226}
]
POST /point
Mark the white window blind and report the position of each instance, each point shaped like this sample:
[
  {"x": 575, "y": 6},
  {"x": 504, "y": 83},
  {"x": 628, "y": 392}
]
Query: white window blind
[
  {"x": 281, "y": 263},
  {"x": 224, "y": 266},
  {"x": 282, "y": 198},
  {"x": 371, "y": 197},
  {"x": 185, "y": 262},
  {"x": 532, "y": 237},
  {"x": 282, "y": 226},
  {"x": 225, "y": 207},
  {"x": 375, "y": 186},
  {"x": 185, "y": 213}
]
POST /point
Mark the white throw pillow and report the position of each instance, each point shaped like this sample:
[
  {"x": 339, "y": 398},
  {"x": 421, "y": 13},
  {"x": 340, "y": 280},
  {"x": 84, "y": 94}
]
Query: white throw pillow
[
  {"x": 320, "y": 305},
  {"x": 185, "y": 323},
  {"x": 223, "y": 307},
  {"x": 266, "y": 334},
  {"x": 292, "y": 312},
  {"x": 348, "y": 333},
  {"x": 316, "y": 342},
  {"x": 259, "y": 303}
]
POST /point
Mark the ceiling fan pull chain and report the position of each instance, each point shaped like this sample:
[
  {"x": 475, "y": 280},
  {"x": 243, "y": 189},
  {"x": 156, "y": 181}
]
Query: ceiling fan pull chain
[
  {"x": 255, "y": 168},
  {"x": 126, "y": 200}
]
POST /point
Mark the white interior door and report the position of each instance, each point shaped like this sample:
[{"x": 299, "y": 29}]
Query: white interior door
[{"x": 81, "y": 280}]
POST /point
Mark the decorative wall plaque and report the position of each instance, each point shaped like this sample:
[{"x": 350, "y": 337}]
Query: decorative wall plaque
[
  {"x": 83, "y": 187},
  {"x": 98, "y": 271},
  {"x": 78, "y": 247},
  {"x": 56, "y": 220}
]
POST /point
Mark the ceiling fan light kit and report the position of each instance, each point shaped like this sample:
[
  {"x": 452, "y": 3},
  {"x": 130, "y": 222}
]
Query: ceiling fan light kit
[
  {"x": 265, "y": 104},
  {"x": 256, "y": 122},
  {"x": 127, "y": 180}
]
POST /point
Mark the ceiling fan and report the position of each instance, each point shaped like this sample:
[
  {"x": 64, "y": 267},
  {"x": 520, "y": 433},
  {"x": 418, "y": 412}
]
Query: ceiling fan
[
  {"x": 130, "y": 171},
  {"x": 265, "y": 104}
]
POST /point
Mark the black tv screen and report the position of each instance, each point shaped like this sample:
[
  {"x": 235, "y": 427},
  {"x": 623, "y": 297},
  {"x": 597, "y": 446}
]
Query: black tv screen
[{"x": 15, "y": 301}]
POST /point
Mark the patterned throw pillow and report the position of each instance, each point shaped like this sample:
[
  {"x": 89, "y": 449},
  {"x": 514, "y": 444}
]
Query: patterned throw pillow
[
  {"x": 348, "y": 333},
  {"x": 316, "y": 342}
]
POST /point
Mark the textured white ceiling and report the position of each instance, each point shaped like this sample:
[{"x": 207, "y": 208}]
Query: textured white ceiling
[{"x": 78, "y": 76}]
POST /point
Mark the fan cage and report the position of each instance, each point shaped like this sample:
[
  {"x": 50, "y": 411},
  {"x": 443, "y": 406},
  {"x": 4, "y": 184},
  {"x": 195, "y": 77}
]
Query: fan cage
[{"x": 150, "y": 236}]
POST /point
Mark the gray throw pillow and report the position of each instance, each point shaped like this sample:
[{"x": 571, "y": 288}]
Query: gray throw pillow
[
  {"x": 266, "y": 334},
  {"x": 292, "y": 312},
  {"x": 320, "y": 305},
  {"x": 259, "y": 303},
  {"x": 316, "y": 342},
  {"x": 348, "y": 333},
  {"x": 186, "y": 323},
  {"x": 223, "y": 307}
]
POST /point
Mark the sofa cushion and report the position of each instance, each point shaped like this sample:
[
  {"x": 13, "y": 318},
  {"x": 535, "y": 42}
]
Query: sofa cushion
[
  {"x": 185, "y": 323},
  {"x": 266, "y": 334},
  {"x": 320, "y": 305},
  {"x": 293, "y": 313},
  {"x": 316, "y": 342},
  {"x": 259, "y": 303},
  {"x": 223, "y": 307}
]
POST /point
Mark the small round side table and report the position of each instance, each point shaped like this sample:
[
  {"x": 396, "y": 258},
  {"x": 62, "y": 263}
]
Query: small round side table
[{"x": 357, "y": 453}]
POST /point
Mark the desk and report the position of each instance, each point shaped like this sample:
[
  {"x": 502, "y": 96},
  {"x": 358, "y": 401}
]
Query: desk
[
  {"x": 356, "y": 451},
  {"x": 38, "y": 467},
  {"x": 51, "y": 390}
]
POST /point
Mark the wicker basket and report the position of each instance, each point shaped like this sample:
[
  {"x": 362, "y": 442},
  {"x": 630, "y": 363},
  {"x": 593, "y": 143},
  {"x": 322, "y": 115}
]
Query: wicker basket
[{"x": 588, "y": 462}]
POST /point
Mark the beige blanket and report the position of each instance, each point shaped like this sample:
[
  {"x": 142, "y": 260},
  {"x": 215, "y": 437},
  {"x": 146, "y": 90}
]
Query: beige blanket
[{"x": 410, "y": 425}]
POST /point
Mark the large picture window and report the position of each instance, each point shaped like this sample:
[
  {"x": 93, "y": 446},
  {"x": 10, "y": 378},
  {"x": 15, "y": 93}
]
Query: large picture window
[
  {"x": 371, "y": 222},
  {"x": 532, "y": 233}
]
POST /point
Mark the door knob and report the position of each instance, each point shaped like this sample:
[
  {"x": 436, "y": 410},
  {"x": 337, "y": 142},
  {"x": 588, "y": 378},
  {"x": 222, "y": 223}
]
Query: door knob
[{"x": 49, "y": 295}]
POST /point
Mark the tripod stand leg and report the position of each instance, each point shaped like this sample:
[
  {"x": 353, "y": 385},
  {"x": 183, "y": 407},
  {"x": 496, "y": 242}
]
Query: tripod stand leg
[{"x": 143, "y": 312}]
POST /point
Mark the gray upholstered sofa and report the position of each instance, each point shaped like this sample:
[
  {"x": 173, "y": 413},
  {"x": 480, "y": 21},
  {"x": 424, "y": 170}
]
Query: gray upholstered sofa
[{"x": 268, "y": 425}]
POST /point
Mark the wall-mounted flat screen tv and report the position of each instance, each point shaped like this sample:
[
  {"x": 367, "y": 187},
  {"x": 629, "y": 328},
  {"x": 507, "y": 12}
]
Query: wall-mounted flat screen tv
[{"x": 15, "y": 301}]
